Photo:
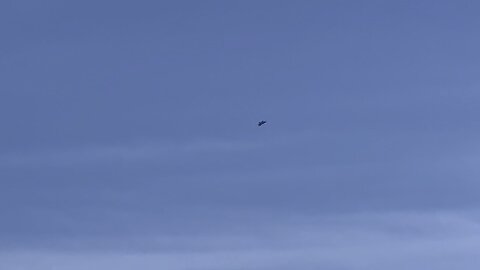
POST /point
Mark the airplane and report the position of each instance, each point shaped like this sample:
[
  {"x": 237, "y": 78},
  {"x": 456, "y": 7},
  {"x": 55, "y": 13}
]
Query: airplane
[{"x": 261, "y": 123}]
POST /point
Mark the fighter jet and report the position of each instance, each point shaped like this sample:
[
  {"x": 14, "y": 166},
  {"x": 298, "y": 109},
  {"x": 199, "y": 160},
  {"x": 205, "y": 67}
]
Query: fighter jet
[{"x": 261, "y": 123}]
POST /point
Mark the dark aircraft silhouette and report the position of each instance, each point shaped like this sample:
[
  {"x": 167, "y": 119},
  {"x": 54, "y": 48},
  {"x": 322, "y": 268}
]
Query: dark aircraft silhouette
[{"x": 261, "y": 123}]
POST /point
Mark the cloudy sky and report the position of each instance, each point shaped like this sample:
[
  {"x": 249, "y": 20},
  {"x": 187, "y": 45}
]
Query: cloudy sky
[{"x": 129, "y": 140}]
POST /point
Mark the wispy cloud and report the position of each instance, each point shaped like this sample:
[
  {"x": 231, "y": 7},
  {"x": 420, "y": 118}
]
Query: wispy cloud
[
  {"x": 121, "y": 153},
  {"x": 146, "y": 150},
  {"x": 360, "y": 241}
]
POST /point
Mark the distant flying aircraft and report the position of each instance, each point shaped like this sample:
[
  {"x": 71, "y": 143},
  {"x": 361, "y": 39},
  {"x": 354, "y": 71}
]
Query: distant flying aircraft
[{"x": 261, "y": 123}]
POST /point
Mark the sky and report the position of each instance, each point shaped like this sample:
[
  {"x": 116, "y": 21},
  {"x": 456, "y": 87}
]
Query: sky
[{"x": 129, "y": 139}]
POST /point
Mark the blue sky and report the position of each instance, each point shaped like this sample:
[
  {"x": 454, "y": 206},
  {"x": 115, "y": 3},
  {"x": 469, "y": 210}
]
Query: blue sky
[{"x": 129, "y": 140}]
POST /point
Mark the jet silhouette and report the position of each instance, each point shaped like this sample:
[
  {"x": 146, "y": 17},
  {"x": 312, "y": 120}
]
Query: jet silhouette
[{"x": 261, "y": 123}]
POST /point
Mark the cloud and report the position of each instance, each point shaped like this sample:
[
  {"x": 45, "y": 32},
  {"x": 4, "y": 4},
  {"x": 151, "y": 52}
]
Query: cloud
[
  {"x": 376, "y": 241},
  {"x": 150, "y": 150},
  {"x": 121, "y": 153}
]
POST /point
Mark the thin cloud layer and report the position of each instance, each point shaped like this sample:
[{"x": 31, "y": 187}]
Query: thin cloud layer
[
  {"x": 391, "y": 240},
  {"x": 123, "y": 153}
]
